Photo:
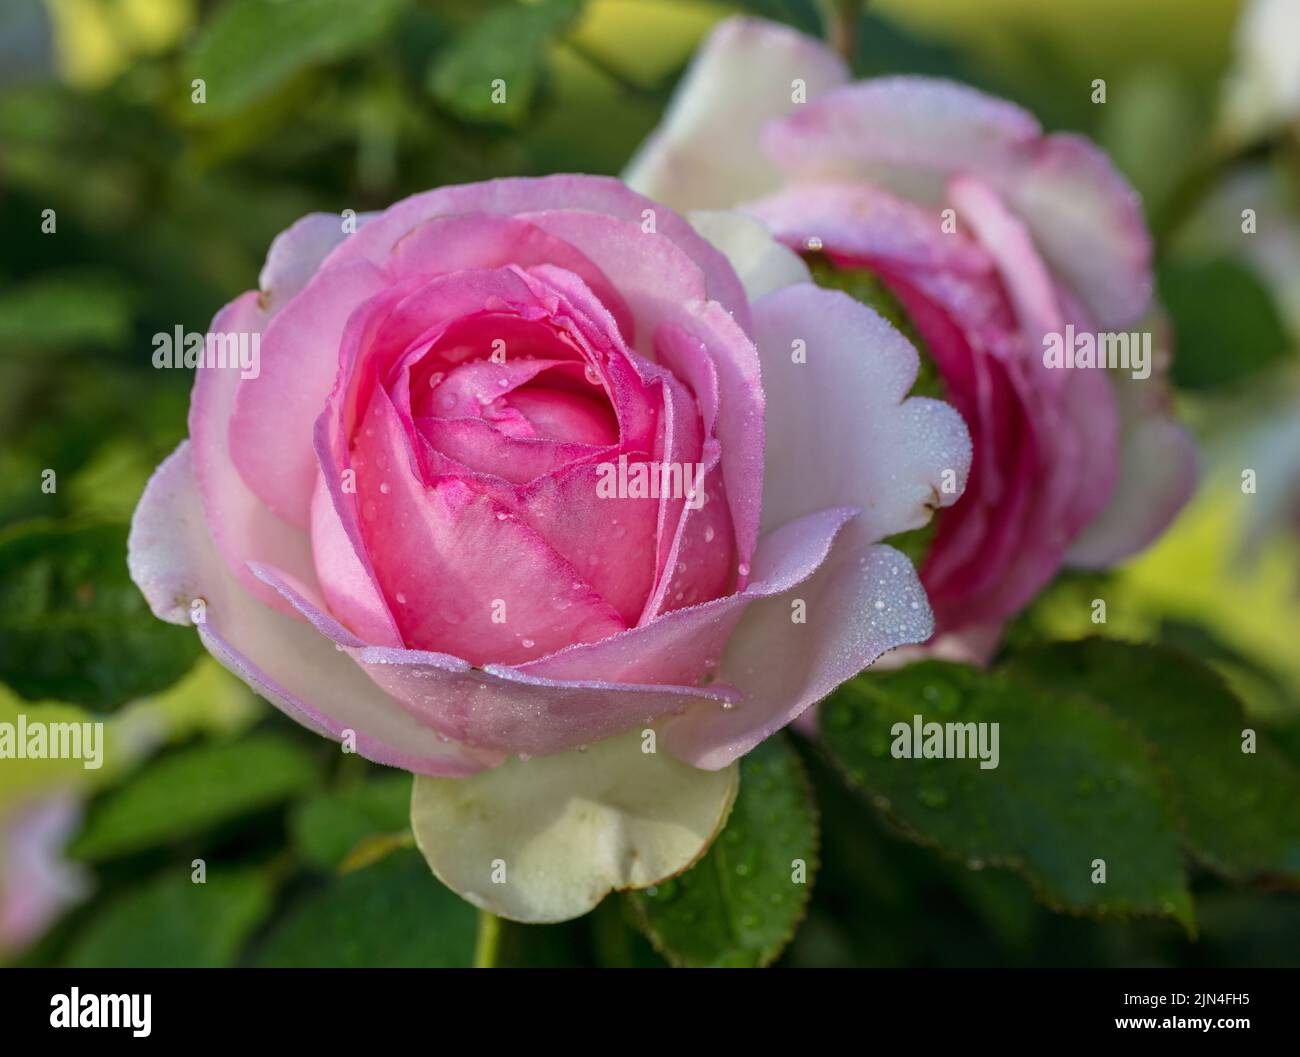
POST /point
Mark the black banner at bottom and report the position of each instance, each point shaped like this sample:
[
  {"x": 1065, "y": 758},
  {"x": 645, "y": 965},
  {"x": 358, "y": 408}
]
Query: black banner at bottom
[{"x": 341, "y": 1007}]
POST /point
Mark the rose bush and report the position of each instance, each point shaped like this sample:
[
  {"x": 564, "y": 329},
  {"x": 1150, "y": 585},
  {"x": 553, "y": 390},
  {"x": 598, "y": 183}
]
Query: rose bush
[
  {"x": 401, "y": 532},
  {"x": 991, "y": 236}
]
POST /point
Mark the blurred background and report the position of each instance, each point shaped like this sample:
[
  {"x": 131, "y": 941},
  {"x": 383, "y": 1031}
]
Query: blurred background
[{"x": 126, "y": 209}]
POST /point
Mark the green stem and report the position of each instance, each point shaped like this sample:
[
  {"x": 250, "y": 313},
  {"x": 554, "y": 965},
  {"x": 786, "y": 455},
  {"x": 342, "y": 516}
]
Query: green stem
[
  {"x": 489, "y": 939},
  {"x": 840, "y": 23}
]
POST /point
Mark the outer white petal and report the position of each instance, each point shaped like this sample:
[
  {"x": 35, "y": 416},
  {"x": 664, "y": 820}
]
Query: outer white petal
[
  {"x": 545, "y": 839},
  {"x": 706, "y": 154},
  {"x": 840, "y": 428},
  {"x": 763, "y": 264}
]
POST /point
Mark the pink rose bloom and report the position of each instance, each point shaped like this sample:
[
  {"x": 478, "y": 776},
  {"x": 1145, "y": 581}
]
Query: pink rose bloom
[
  {"x": 992, "y": 236},
  {"x": 434, "y": 522}
]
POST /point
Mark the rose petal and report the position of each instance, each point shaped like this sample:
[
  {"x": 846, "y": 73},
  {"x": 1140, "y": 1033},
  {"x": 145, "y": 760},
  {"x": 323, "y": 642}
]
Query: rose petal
[
  {"x": 271, "y": 428},
  {"x": 437, "y": 551},
  {"x": 483, "y": 240},
  {"x": 1024, "y": 276},
  {"x": 545, "y": 840},
  {"x": 705, "y": 154},
  {"x": 1158, "y": 467},
  {"x": 242, "y": 527},
  {"x": 905, "y": 134},
  {"x": 1087, "y": 223},
  {"x": 762, "y": 263},
  {"x": 679, "y": 646},
  {"x": 296, "y": 254},
  {"x": 840, "y": 431},
  {"x": 910, "y": 135},
  {"x": 856, "y": 221},
  {"x": 173, "y": 561},
  {"x": 584, "y": 693},
  {"x": 597, "y": 194},
  {"x": 865, "y": 600}
]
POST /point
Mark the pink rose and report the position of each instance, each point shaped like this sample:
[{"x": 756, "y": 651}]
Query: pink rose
[
  {"x": 994, "y": 238},
  {"x": 417, "y": 525}
]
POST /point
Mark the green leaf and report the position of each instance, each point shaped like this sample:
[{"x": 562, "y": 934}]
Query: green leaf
[
  {"x": 64, "y": 312},
  {"x": 73, "y": 627},
  {"x": 188, "y": 791},
  {"x": 1226, "y": 326},
  {"x": 1239, "y": 809},
  {"x": 740, "y": 904},
  {"x": 327, "y": 827},
  {"x": 393, "y": 914},
  {"x": 171, "y": 922},
  {"x": 1072, "y": 786},
  {"x": 250, "y": 48},
  {"x": 507, "y": 46}
]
